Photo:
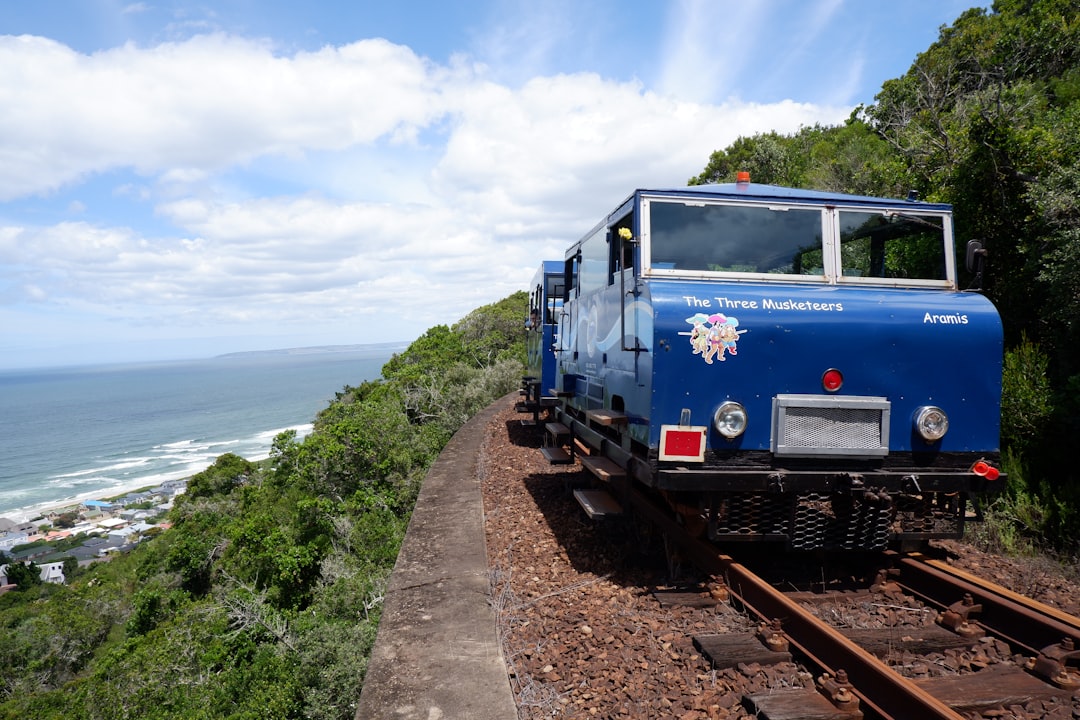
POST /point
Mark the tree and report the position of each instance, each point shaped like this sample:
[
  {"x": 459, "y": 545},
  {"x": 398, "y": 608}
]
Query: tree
[
  {"x": 24, "y": 575},
  {"x": 66, "y": 520},
  {"x": 765, "y": 156},
  {"x": 987, "y": 119},
  {"x": 226, "y": 473},
  {"x": 263, "y": 598}
]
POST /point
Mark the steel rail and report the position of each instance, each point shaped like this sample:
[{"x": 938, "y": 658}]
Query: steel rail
[
  {"x": 1036, "y": 606},
  {"x": 878, "y": 687},
  {"x": 1022, "y": 621}
]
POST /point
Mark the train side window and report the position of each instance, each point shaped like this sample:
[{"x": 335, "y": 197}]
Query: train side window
[
  {"x": 555, "y": 290},
  {"x": 592, "y": 272},
  {"x": 621, "y": 251},
  {"x": 892, "y": 245},
  {"x": 571, "y": 277}
]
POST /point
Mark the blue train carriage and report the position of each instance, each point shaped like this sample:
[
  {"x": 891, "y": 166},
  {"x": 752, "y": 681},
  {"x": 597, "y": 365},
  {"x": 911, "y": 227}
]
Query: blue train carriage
[
  {"x": 545, "y": 306},
  {"x": 783, "y": 365}
]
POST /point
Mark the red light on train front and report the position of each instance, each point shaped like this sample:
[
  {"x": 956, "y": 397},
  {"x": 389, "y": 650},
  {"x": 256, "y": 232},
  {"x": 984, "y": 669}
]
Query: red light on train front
[
  {"x": 986, "y": 470},
  {"x": 832, "y": 380}
]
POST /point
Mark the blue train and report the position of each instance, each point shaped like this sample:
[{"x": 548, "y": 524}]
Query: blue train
[{"x": 774, "y": 364}]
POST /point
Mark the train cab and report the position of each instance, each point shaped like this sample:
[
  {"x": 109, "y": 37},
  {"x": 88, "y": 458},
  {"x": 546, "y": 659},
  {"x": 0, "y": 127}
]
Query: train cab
[{"x": 782, "y": 364}]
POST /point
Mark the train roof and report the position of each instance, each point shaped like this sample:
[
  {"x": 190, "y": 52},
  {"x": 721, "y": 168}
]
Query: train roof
[{"x": 758, "y": 191}]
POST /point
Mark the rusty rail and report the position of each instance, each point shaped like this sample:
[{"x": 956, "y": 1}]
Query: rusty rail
[
  {"x": 1021, "y": 621},
  {"x": 879, "y": 688}
]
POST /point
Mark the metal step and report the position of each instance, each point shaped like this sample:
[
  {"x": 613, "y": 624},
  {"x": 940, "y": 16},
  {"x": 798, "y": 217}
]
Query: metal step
[
  {"x": 556, "y": 455},
  {"x": 602, "y": 468},
  {"x": 598, "y": 503},
  {"x": 556, "y": 430},
  {"x": 606, "y": 417}
]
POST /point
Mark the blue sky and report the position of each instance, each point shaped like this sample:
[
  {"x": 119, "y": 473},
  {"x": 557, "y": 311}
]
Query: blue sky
[{"x": 188, "y": 179}]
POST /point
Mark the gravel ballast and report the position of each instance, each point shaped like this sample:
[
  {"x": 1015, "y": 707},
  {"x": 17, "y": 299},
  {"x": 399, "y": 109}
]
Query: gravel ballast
[{"x": 581, "y": 626}]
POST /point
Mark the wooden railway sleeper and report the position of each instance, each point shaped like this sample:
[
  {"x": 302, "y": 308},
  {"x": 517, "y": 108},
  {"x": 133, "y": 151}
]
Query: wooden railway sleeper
[{"x": 1050, "y": 664}]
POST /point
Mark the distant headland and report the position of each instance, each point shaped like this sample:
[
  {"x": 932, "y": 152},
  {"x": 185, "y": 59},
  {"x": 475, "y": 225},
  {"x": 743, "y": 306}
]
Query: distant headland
[{"x": 371, "y": 350}]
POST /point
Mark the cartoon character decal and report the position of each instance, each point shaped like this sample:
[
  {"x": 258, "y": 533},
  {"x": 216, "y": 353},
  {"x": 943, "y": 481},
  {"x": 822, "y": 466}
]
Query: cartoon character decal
[
  {"x": 715, "y": 340},
  {"x": 698, "y": 339}
]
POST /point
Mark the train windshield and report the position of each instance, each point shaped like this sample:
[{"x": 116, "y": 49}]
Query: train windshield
[
  {"x": 736, "y": 238},
  {"x": 824, "y": 243}
]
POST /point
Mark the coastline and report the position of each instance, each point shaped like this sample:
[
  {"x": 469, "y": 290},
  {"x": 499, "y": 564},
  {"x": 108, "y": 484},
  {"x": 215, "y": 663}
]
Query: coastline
[
  {"x": 90, "y": 433},
  {"x": 29, "y": 512}
]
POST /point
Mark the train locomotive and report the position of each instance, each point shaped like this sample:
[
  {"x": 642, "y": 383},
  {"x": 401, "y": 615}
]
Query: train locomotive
[{"x": 774, "y": 365}]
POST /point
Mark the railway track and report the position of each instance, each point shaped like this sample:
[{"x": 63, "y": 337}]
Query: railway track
[
  {"x": 593, "y": 624},
  {"x": 853, "y": 681}
]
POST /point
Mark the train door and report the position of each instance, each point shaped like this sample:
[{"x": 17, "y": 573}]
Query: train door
[
  {"x": 623, "y": 274},
  {"x": 565, "y": 339},
  {"x": 550, "y": 314},
  {"x": 534, "y": 347}
]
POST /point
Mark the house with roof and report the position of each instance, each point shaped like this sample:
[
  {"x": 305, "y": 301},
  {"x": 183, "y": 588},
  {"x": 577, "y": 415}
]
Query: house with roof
[
  {"x": 10, "y": 539},
  {"x": 86, "y": 529},
  {"x": 110, "y": 524},
  {"x": 171, "y": 487},
  {"x": 125, "y": 533},
  {"x": 18, "y": 534},
  {"x": 52, "y": 572},
  {"x": 136, "y": 498},
  {"x": 54, "y": 513},
  {"x": 31, "y": 553},
  {"x": 133, "y": 515},
  {"x": 49, "y": 572},
  {"x": 84, "y": 554}
]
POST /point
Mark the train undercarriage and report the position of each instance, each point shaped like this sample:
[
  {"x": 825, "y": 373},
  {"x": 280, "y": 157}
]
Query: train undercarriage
[{"x": 806, "y": 506}]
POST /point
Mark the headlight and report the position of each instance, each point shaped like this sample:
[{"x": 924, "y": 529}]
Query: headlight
[
  {"x": 931, "y": 423},
  {"x": 730, "y": 419}
]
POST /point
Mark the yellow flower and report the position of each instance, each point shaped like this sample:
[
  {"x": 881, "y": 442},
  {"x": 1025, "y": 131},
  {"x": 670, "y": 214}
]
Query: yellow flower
[{"x": 625, "y": 233}]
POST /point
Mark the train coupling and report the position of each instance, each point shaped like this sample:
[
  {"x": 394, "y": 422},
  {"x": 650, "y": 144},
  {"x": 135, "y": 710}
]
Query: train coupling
[
  {"x": 776, "y": 482},
  {"x": 854, "y": 484}
]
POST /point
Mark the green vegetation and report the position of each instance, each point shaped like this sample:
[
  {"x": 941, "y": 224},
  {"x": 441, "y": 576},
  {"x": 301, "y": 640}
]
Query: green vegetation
[
  {"x": 263, "y": 599},
  {"x": 988, "y": 119}
]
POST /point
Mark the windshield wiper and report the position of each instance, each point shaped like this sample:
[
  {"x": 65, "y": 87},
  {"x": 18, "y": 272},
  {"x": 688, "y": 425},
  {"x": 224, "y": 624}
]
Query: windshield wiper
[{"x": 913, "y": 218}]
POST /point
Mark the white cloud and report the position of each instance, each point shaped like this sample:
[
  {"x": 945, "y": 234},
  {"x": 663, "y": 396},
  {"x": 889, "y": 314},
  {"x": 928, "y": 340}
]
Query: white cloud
[
  {"x": 411, "y": 189},
  {"x": 201, "y": 105}
]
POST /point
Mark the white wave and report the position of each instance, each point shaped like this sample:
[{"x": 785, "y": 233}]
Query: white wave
[
  {"x": 171, "y": 461},
  {"x": 178, "y": 444},
  {"x": 7, "y": 496},
  {"x": 302, "y": 431},
  {"x": 137, "y": 462},
  {"x": 224, "y": 443}
]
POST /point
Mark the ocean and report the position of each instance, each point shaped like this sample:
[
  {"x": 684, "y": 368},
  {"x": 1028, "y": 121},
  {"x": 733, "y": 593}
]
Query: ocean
[{"x": 78, "y": 433}]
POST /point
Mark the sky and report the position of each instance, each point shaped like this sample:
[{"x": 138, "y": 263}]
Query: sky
[{"x": 186, "y": 179}]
